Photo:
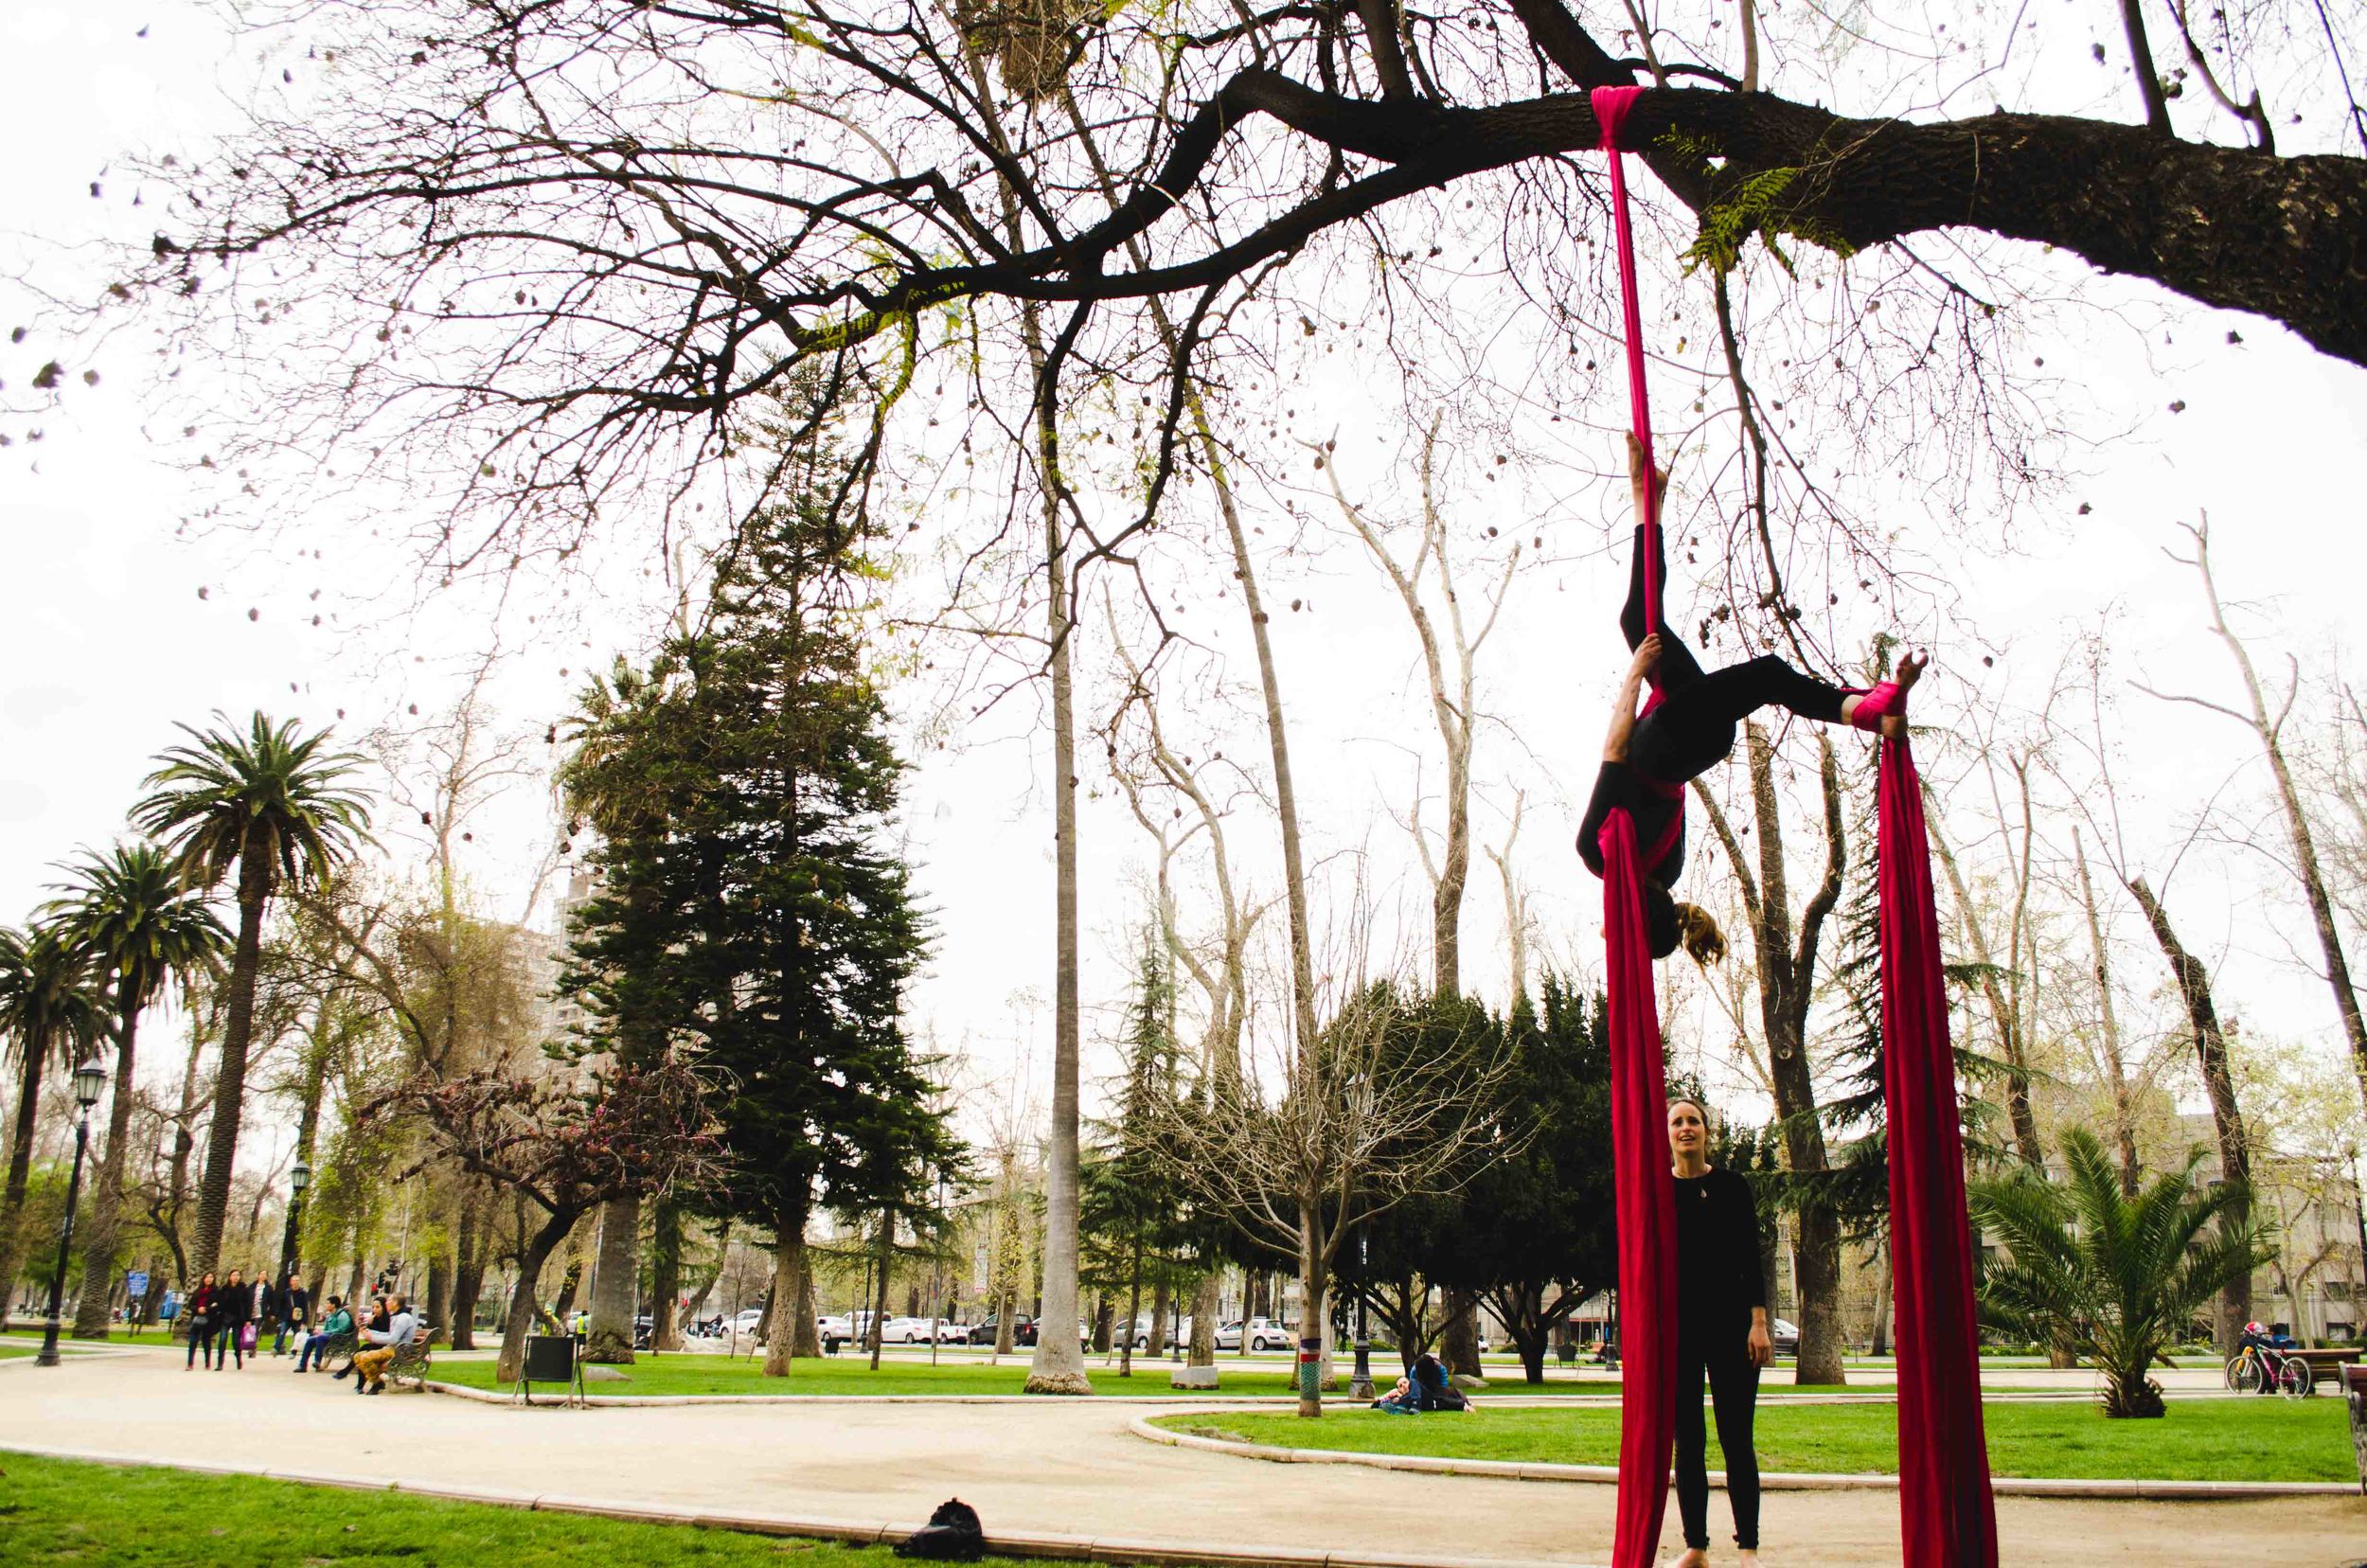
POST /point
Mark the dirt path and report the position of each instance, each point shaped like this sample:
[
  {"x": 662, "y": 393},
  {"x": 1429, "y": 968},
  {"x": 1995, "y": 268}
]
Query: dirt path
[{"x": 1057, "y": 1466}]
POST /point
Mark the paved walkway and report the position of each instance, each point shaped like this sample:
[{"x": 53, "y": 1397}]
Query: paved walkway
[{"x": 1064, "y": 1466}]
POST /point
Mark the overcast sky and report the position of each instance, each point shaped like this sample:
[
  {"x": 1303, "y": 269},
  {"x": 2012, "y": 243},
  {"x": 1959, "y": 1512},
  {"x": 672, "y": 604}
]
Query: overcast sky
[{"x": 112, "y": 631}]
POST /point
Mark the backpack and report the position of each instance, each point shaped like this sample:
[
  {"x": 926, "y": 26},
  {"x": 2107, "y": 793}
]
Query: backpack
[{"x": 952, "y": 1535}]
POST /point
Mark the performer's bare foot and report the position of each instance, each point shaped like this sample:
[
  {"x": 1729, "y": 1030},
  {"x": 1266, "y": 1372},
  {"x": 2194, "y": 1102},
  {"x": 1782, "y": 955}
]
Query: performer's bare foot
[
  {"x": 1750, "y": 1557},
  {"x": 1911, "y": 669},
  {"x": 1694, "y": 1558}
]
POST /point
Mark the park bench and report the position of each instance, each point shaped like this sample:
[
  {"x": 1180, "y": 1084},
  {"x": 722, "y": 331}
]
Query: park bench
[
  {"x": 2326, "y": 1365},
  {"x": 413, "y": 1362},
  {"x": 339, "y": 1349}
]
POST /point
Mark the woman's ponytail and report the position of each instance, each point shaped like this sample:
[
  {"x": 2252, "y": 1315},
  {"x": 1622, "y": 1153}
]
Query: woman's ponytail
[{"x": 1700, "y": 934}]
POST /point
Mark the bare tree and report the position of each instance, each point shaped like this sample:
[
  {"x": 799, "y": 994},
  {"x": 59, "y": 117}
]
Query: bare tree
[
  {"x": 1353, "y": 1128},
  {"x": 2109, "y": 1028},
  {"x": 1785, "y": 969},
  {"x": 2268, "y": 729}
]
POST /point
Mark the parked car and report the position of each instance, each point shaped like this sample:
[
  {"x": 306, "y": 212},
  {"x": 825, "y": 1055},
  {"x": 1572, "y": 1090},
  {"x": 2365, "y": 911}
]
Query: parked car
[
  {"x": 746, "y": 1322},
  {"x": 952, "y": 1333},
  {"x": 1264, "y": 1334},
  {"x": 1169, "y": 1333},
  {"x": 1022, "y": 1331},
  {"x": 1786, "y": 1335},
  {"x": 906, "y": 1331},
  {"x": 834, "y": 1330}
]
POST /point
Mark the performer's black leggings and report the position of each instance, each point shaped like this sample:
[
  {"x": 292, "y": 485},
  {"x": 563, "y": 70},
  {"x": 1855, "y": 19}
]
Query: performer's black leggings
[
  {"x": 1723, "y": 1353},
  {"x": 1693, "y": 728}
]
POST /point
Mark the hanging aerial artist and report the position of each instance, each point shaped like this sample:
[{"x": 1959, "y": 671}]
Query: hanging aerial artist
[{"x": 1687, "y": 727}]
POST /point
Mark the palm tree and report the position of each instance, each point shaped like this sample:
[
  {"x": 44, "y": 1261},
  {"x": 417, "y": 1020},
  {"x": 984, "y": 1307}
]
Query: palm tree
[
  {"x": 2108, "y": 1275},
  {"x": 274, "y": 807},
  {"x": 137, "y": 920},
  {"x": 50, "y": 1008}
]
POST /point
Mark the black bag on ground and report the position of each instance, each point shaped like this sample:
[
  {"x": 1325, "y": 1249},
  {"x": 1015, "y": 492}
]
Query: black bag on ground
[{"x": 952, "y": 1535}]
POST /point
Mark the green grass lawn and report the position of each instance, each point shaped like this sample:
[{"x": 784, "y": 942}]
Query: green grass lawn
[
  {"x": 53, "y": 1511},
  {"x": 2198, "y": 1440}
]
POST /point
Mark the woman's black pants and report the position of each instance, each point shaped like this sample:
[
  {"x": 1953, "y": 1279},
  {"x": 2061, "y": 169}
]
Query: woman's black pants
[
  {"x": 1721, "y": 1354},
  {"x": 1693, "y": 728},
  {"x": 201, "y": 1341}
]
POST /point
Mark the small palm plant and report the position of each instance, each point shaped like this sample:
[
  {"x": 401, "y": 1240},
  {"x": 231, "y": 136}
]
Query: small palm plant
[
  {"x": 2117, "y": 1278},
  {"x": 51, "y": 1010}
]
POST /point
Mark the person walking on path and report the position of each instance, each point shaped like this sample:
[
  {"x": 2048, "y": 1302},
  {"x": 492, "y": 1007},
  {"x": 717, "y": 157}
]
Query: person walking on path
[
  {"x": 197, "y": 1307},
  {"x": 236, "y": 1310},
  {"x": 1721, "y": 1332}
]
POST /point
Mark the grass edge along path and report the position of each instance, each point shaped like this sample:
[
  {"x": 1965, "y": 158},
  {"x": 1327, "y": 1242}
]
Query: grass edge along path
[{"x": 2199, "y": 1439}]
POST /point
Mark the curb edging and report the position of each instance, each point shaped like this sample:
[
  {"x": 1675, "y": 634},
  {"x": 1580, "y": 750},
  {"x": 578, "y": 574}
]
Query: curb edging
[
  {"x": 2088, "y": 1489},
  {"x": 1120, "y": 1550}
]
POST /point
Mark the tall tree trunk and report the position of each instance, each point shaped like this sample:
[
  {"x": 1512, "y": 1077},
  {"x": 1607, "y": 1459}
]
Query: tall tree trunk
[
  {"x": 665, "y": 1274},
  {"x": 569, "y": 1283},
  {"x": 790, "y": 1284},
  {"x": 440, "y": 1270},
  {"x": 237, "y": 1033},
  {"x": 805, "y": 1335},
  {"x": 1205, "y": 1310},
  {"x": 2270, "y": 732},
  {"x": 1314, "y": 1283},
  {"x": 1458, "y": 1340},
  {"x": 1879, "y": 1342},
  {"x": 2005, "y": 1017},
  {"x": 2115, "y": 1069},
  {"x": 20, "y": 1170},
  {"x": 511, "y": 1361},
  {"x": 467, "y": 1283},
  {"x": 876, "y": 1332},
  {"x": 1155, "y": 1331},
  {"x": 616, "y": 1282},
  {"x": 2218, "y": 1082},
  {"x": 106, "y": 1196}
]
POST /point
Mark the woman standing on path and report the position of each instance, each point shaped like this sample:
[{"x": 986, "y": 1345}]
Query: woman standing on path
[
  {"x": 1721, "y": 1331},
  {"x": 237, "y": 1309},
  {"x": 199, "y": 1310}
]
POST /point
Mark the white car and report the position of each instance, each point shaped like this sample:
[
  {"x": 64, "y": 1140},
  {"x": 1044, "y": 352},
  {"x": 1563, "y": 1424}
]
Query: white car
[
  {"x": 949, "y": 1332},
  {"x": 1264, "y": 1334},
  {"x": 905, "y": 1330},
  {"x": 1168, "y": 1334},
  {"x": 746, "y": 1322},
  {"x": 835, "y": 1329}
]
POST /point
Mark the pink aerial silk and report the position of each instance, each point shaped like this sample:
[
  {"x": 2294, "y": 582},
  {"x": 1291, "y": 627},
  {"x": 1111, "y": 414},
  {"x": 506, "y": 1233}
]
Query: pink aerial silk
[
  {"x": 1646, "y": 1210},
  {"x": 1647, "y": 1193},
  {"x": 1947, "y": 1516}
]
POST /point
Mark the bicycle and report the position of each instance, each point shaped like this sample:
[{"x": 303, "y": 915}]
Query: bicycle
[{"x": 2259, "y": 1369}]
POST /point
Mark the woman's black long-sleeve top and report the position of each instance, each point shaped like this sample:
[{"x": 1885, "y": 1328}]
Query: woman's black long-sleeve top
[
  {"x": 1619, "y": 785},
  {"x": 1718, "y": 1275}
]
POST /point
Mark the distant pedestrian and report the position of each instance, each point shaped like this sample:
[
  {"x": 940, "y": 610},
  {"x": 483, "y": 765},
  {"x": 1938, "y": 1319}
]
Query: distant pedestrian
[
  {"x": 197, "y": 1307},
  {"x": 294, "y": 1314},
  {"x": 237, "y": 1309}
]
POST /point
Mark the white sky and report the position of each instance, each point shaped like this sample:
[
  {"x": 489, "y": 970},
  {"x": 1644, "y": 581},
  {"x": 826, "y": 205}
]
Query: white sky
[{"x": 105, "y": 641}]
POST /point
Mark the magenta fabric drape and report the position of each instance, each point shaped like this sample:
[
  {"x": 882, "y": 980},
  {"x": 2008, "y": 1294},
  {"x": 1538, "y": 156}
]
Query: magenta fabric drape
[
  {"x": 1947, "y": 1516},
  {"x": 1647, "y": 1206}
]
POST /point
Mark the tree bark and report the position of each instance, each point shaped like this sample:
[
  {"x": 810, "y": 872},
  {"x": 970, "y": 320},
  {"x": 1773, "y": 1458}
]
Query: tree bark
[
  {"x": 616, "y": 1282},
  {"x": 1458, "y": 1341},
  {"x": 237, "y": 1033},
  {"x": 20, "y": 1172},
  {"x": 2218, "y": 1082},
  {"x": 790, "y": 1284},
  {"x": 1205, "y": 1310},
  {"x": 666, "y": 1237},
  {"x": 106, "y": 1196},
  {"x": 2115, "y": 1070},
  {"x": 512, "y": 1358},
  {"x": 873, "y": 1332},
  {"x": 467, "y": 1283},
  {"x": 440, "y": 1271}
]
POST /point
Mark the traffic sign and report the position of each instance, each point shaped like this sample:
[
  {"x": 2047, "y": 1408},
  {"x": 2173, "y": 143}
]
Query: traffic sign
[{"x": 136, "y": 1284}]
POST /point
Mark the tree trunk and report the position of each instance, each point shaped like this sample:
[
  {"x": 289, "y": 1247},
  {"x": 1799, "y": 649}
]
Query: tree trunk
[
  {"x": 1133, "y": 1309},
  {"x": 1313, "y": 1281},
  {"x": 439, "y": 1296},
  {"x": 20, "y": 1170},
  {"x": 512, "y": 1358},
  {"x": 2007, "y": 1019},
  {"x": 616, "y": 1282},
  {"x": 569, "y": 1284},
  {"x": 2115, "y": 1069},
  {"x": 789, "y": 1286},
  {"x": 1155, "y": 1332},
  {"x": 1458, "y": 1342},
  {"x": 1879, "y": 1342},
  {"x": 237, "y": 1033},
  {"x": 805, "y": 1334},
  {"x": 664, "y": 1275},
  {"x": 875, "y": 1332},
  {"x": 2218, "y": 1082},
  {"x": 467, "y": 1283},
  {"x": 1205, "y": 1310},
  {"x": 106, "y": 1194}
]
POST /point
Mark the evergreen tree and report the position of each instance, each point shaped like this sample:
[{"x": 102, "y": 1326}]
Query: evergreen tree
[{"x": 750, "y": 915}]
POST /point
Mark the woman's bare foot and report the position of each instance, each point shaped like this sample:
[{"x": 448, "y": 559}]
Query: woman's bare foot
[
  {"x": 1750, "y": 1557},
  {"x": 1911, "y": 669},
  {"x": 1694, "y": 1558}
]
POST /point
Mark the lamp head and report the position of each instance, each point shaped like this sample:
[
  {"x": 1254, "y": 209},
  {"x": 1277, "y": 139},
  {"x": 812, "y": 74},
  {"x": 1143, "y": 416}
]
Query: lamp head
[
  {"x": 301, "y": 1177},
  {"x": 90, "y": 1080}
]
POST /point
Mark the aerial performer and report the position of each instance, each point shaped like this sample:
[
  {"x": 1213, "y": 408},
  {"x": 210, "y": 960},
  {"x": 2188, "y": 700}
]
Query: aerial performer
[{"x": 1687, "y": 727}]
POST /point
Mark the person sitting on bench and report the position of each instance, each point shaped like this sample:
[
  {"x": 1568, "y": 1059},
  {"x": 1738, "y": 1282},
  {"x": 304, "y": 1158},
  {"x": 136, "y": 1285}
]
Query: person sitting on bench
[{"x": 369, "y": 1367}]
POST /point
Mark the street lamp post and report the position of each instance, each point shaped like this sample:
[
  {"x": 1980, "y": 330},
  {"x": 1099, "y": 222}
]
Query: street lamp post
[
  {"x": 298, "y": 1179},
  {"x": 89, "y": 1080},
  {"x": 1360, "y": 1387}
]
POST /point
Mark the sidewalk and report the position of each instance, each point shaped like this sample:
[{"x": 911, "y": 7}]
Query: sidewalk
[{"x": 1064, "y": 1468}]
